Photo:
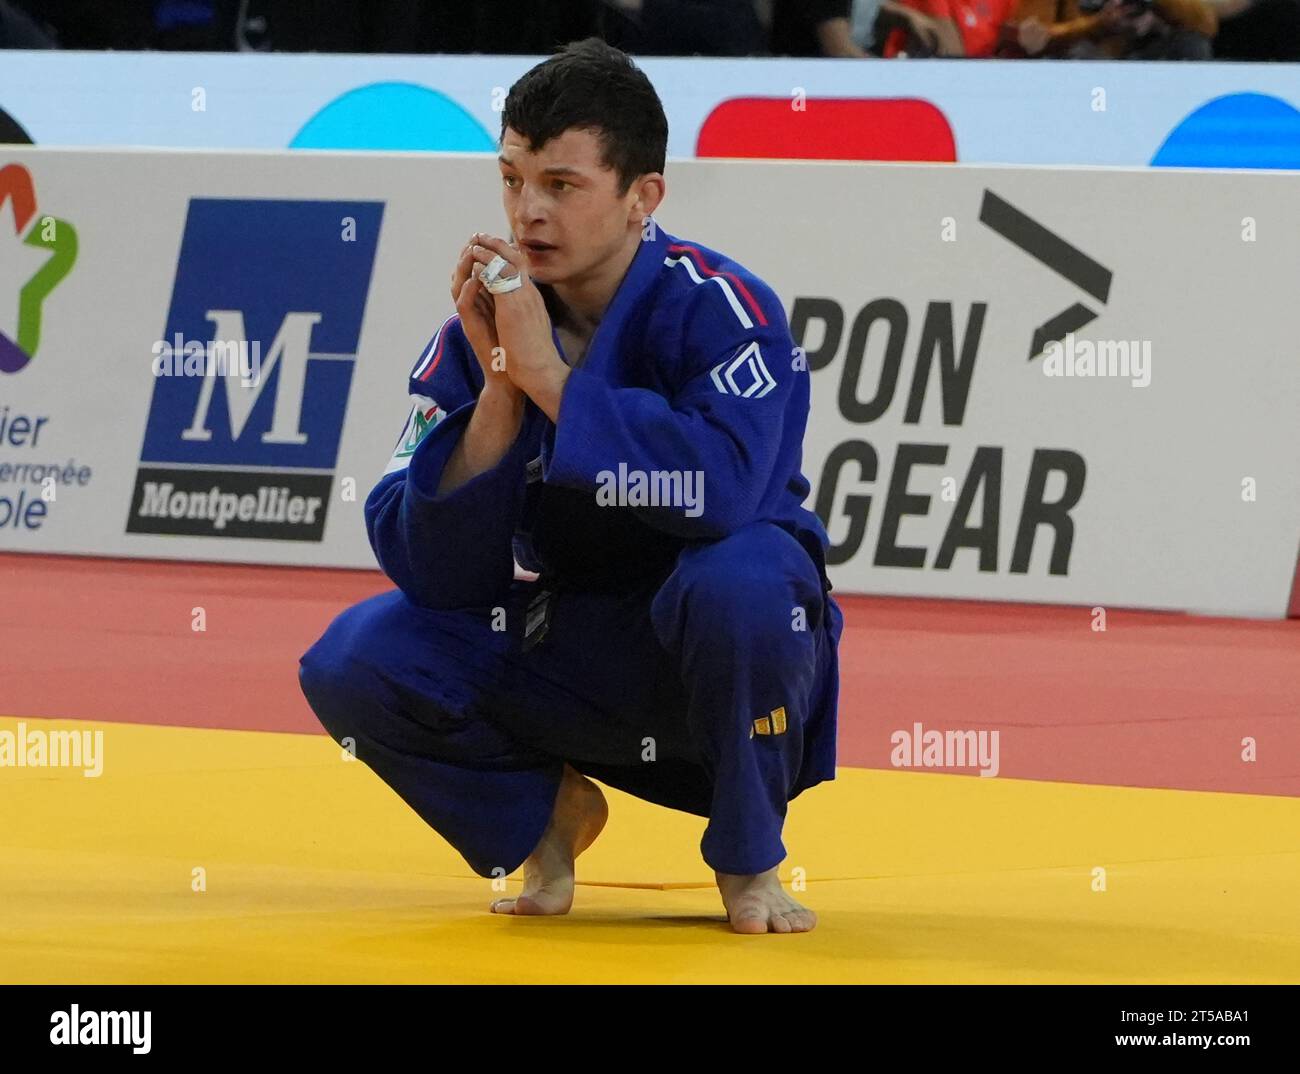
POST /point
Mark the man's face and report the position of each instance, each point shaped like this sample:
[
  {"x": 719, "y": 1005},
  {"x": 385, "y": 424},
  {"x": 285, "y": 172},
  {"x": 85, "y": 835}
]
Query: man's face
[{"x": 563, "y": 204}]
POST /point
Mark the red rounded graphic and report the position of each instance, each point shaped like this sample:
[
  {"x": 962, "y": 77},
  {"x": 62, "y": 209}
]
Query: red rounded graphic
[{"x": 827, "y": 128}]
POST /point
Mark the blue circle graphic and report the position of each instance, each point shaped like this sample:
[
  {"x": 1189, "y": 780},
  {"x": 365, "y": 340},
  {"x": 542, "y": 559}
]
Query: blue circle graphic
[
  {"x": 1241, "y": 130},
  {"x": 394, "y": 115}
]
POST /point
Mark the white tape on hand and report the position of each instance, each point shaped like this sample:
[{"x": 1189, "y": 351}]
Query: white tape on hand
[{"x": 497, "y": 284}]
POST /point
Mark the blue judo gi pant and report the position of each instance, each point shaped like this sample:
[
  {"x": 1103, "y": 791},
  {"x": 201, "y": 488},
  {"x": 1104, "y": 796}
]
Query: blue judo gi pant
[{"x": 654, "y": 687}]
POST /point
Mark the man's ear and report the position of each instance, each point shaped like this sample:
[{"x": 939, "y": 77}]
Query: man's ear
[{"x": 650, "y": 191}]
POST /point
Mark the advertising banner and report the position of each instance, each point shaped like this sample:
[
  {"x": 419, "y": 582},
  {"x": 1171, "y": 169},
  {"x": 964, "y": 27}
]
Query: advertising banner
[
  {"x": 1029, "y": 384},
  {"x": 1213, "y": 115}
]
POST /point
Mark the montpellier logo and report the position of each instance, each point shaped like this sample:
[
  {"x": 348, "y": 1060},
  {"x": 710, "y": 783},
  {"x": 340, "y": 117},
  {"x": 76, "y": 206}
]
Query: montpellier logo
[
  {"x": 750, "y": 358},
  {"x": 223, "y": 457},
  {"x": 20, "y": 335}
]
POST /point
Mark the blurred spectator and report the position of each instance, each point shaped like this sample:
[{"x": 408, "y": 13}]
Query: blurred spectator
[
  {"x": 19, "y": 30},
  {"x": 845, "y": 28},
  {"x": 685, "y": 27},
  {"x": 1088, "y": 29},
  {"x": 970, "y": 28},
  {"x": 1257, "y": 29},
  {"x": 864, "y": 19},
  {"x": 1121, "y": 29},
  {"x": 813, "y": 28}
]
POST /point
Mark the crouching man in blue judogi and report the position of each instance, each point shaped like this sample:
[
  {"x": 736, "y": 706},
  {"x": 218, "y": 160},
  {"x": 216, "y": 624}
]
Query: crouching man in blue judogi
[{"x": 621, "y": 412}]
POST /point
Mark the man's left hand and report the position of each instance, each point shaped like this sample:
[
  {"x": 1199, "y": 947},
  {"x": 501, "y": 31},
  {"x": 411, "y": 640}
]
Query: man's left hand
[{"x": 524, "y": 330}]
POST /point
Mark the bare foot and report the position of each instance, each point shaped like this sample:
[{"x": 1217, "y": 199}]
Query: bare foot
[
  {"x": 760, "y": 904},
  {"x": 580, "y": 813}
]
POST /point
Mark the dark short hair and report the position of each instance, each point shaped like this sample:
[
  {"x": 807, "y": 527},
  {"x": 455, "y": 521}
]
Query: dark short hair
[{"x": 589, "y": 85}]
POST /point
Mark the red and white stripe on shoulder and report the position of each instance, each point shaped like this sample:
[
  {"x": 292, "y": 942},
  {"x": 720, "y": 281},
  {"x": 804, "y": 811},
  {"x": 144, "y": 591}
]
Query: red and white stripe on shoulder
[
  {"x": 427, "y": 364},
  {"x": 739, "y": 298}
]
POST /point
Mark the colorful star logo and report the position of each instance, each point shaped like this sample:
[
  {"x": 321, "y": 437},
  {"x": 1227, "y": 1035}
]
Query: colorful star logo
[{"x": 44, "y": 232}]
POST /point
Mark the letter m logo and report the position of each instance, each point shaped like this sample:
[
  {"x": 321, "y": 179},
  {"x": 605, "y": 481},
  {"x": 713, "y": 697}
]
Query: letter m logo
[
  {"x": 288, "y": 353},
  {"x": 266, "y": 278}
]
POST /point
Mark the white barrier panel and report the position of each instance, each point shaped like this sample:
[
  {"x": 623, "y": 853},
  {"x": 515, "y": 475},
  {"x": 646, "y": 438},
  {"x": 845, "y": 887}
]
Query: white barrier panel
[{"x": 946, "y": 460}]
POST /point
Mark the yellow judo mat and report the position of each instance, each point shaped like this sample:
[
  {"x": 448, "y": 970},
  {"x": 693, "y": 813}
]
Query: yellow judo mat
[{"x": 241, "y": 856}]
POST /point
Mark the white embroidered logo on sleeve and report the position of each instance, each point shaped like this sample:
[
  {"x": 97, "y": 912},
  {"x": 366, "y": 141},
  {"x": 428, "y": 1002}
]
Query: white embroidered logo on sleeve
[{"x": 425, "y": 414}]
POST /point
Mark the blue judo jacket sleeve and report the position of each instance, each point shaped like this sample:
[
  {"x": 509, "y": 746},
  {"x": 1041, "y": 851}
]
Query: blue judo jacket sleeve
[
  {"x": 738, "y": 387},
  {"x": 454, "y": 550}
]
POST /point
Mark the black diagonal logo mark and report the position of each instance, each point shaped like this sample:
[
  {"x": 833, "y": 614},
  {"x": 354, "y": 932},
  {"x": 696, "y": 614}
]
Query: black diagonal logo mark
[
  {"x": 1059, "y": 256},
  {"x": 1058, "y": 327}
]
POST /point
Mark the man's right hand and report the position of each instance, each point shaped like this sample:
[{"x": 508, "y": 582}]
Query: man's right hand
[
  {"x": 478, "y": 319},
  {"x": 499, "y": 413}
]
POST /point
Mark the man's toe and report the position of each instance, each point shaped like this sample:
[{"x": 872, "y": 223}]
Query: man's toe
[
  {"x": 749, "y": 917},
  {"x": 531, "y": 905}
]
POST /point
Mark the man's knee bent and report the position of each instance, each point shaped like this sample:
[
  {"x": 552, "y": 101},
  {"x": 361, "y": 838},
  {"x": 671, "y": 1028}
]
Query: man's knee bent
[
  {"x": 342, "y": 675},
  {"x": 332, "y": 680},
  {"x": 387, "y": 655},
  {"x": 756, "y": 586}
]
